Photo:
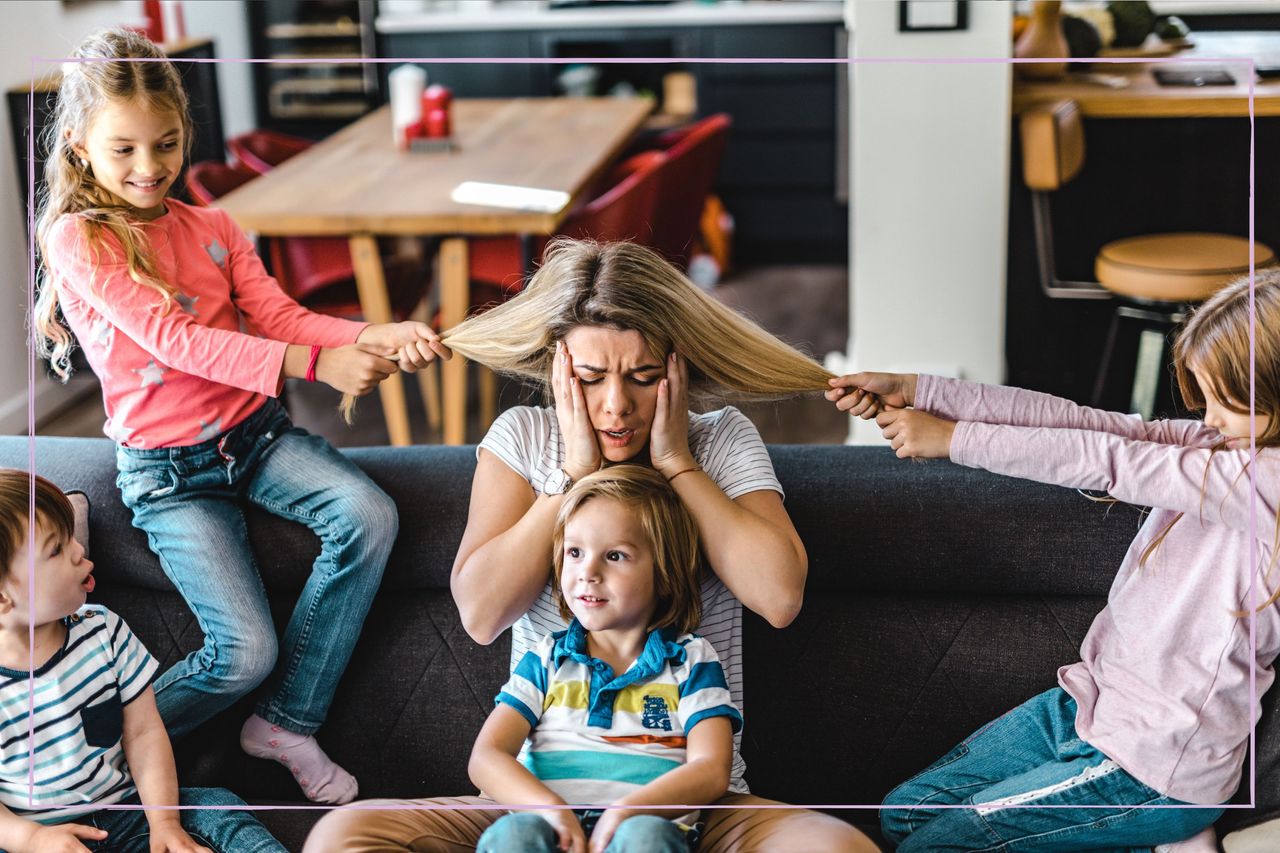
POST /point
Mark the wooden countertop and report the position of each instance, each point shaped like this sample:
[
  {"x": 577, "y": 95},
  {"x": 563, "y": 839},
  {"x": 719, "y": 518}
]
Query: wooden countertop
[{"x": 1143, "y": 97}]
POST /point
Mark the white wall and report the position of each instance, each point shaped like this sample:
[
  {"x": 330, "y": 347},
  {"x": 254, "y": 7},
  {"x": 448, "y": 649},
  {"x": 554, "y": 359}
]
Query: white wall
[
  {"x": 50, "y": 28},
  {"x": 929, "y": 172}
]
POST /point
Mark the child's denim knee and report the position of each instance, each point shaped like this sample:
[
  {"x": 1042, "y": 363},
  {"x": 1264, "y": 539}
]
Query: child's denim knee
[
  {"x": 519, "y": 832},
  {"x": 648, "y": 834}
]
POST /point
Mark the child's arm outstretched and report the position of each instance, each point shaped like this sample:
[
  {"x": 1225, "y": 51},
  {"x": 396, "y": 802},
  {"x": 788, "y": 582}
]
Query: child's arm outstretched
[
  {"x": 20, "y": 835},
  {"x": 150, "y": 757},
  {"x": 177, "y": 339},
  {"x": 1208, "y": 484},
  {"x": 276, "y": 315},
  {"x": 495, "y": 771},
  {"x": 866, "y": 394},
  {"x": 703, "y": 778}
]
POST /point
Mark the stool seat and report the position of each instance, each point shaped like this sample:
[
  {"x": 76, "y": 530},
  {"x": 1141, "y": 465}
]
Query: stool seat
[{"x": 1176, "y": 267}]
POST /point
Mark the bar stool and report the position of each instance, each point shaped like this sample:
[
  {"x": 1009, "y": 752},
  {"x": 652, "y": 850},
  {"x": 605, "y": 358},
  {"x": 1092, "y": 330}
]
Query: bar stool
[{"x": 1154, "y": 278}]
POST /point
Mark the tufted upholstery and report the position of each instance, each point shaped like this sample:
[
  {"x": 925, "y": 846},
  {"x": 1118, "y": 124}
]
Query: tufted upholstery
[{"x": 938, "y": 597}]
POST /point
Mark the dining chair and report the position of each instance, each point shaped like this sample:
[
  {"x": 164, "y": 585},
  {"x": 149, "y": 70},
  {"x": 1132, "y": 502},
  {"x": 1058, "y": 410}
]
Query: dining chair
[
  {"x": 262, "y": 150},
  {"x": 1154, "y": 278},
  {"x": 318, "y": 274}
]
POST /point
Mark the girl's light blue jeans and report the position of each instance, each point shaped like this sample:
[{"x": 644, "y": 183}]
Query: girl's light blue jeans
[
  {"x": 1032, "y": 757},
  {"x": 191, "y": 503},
  {"x": 526, "y": 832},
  {"x": 218, "y": 825}
]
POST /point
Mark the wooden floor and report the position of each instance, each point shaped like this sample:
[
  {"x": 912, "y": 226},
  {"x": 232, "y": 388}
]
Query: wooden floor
[{"x": 805, "y": 305}]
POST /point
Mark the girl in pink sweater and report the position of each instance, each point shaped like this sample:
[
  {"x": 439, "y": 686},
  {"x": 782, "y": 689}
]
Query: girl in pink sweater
[
  {"x": 192, "y": 342},
  {"x": 1159, "y": 709}
]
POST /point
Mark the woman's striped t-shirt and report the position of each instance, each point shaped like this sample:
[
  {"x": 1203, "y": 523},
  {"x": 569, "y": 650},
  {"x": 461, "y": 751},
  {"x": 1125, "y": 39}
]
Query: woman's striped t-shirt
[
  {"x": 727, "y": 447},
  {"x": 67, "y": 758}
]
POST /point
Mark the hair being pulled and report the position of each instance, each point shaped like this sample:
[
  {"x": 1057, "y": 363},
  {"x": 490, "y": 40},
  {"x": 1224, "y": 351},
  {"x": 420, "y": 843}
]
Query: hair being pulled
[
  {"x": 144, "y": 75},
  {"x": 626, "y": 286}
]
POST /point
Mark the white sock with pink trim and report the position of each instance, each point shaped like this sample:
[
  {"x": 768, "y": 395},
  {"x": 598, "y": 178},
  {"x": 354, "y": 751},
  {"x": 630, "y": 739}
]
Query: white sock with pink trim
[{"x": 320, "y": 779}]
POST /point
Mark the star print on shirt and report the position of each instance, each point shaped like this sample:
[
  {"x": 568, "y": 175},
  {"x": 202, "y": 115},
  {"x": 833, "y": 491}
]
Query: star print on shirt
[
  {"x": 152, "y": 374},
  {"x": 101, "y": 333},
  {"x": 208, "y": 431},
  {"x": 188, "y": 303},
  {"x": 218, "y": 253}
]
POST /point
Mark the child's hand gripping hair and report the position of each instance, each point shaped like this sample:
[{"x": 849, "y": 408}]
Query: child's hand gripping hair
[
  {"x": 409, "y": 346},
  {"x": 887, "y": 397},
  {"x": 865, "y": 395}
]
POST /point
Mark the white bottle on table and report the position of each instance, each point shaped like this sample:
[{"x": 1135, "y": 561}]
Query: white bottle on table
[{"x": 406, "y": 84}]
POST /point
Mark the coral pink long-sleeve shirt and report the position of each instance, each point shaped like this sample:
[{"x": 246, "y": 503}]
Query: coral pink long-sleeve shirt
[
  {"x": 180, "y": 376},
  {"x": 1162, "y": 687}
]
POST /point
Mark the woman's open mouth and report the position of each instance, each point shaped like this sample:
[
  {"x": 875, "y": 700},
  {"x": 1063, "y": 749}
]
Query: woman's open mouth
[{"x": 618, "y": 437}]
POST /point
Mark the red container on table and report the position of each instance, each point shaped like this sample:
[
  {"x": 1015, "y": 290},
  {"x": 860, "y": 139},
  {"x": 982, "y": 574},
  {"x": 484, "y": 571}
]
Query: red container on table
[
  {"x": 436, "y": 101},
  {"x": 437, "y": 124},
  {"x": 436, "y": 97}
]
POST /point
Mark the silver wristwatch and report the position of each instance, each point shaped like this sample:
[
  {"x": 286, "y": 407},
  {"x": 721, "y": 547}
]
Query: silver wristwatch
[{"x": 557, "y": 482}]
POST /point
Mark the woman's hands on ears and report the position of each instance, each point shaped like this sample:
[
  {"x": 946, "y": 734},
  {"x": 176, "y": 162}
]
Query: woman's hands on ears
[
  {"x": 669, "y": 434},
  {"x": 581, "y": 446}
]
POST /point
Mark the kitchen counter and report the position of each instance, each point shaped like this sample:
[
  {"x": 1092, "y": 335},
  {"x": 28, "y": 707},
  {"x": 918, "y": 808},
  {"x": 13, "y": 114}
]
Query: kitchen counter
[{"x": 470, "y": 17}]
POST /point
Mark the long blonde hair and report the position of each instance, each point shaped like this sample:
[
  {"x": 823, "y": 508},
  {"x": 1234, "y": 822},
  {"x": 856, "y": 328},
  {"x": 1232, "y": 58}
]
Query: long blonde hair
[
  {"x": 627, "y": 286},
  {"x": 1215, "y": 341},
  {"x": 70, "y": 187},
  {"x": 670, "y": 532}
]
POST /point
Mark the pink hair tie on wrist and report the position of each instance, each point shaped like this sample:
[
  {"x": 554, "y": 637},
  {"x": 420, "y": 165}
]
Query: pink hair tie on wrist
[{"x": 311, "y": 363}]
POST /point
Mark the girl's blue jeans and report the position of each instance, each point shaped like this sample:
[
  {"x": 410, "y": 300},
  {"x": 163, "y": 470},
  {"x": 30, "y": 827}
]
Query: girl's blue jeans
[
  {"x": 191, "y": 503},
  {"x": 1032, "y": 757},
  {"x": 219, "y": 826},
  {"x": 526, "y": 832}
]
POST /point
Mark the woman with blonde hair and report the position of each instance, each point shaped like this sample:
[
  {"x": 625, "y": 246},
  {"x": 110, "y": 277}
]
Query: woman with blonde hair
[{"x": 622, "y": 341}]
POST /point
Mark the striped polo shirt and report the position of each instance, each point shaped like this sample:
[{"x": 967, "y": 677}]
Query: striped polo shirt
[
  {"x": 75, "y": 761},
  {"x": 596, "y": 735},
  {"x": 727, "y": 447}
]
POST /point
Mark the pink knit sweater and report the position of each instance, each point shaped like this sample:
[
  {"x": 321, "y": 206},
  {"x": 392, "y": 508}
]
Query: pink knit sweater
[{"x": 1163, "y": 684}]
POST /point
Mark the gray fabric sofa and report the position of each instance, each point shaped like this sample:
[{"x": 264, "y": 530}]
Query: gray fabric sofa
[{"x": 938, "y": 597}]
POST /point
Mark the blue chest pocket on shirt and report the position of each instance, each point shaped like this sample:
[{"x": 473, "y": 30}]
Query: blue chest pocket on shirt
[{"x": 104, "y": 722}]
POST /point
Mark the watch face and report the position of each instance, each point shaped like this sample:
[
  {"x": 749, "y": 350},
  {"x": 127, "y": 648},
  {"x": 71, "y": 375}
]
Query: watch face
[{"x": 557, "y": 483}]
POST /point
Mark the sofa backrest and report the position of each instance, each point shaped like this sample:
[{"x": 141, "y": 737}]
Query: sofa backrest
[{"x": 938, "y": 597}]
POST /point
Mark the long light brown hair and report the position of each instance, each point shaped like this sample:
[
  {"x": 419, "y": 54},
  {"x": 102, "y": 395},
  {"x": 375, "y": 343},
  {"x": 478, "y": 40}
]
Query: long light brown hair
[
  {"x": 70, "y": 187},
  {"x": 670, "y": 532},
  {"x": 1215, "y": 342},
  {"x": 627, "y": 286}
]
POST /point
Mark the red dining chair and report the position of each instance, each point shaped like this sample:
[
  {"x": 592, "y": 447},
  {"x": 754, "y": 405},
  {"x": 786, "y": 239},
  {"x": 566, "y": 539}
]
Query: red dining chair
[
  {"x": 625, "y": 210},
  {"x": 262, "y": 150},
  {"x": 694, "y": 155}
]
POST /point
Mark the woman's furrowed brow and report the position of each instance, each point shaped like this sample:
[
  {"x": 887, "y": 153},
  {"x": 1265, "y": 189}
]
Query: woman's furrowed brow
[{"x": 590, "y": 368}]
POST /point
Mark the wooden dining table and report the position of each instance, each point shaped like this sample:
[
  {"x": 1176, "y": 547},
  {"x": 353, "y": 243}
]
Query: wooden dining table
[{"x": 357, "y": 184}]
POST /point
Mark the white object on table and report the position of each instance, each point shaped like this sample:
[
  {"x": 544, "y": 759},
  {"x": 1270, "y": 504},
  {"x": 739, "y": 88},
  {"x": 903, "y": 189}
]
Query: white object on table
[
  {"x": 510, "y": 196},
  {"x": 406, "y": 83}
]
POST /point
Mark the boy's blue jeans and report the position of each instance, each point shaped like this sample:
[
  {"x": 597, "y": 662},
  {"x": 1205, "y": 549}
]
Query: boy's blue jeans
[
  {"x": 526, "y": 832},
  {"x": 191, "y": 502},
  {"x": 1032, "y": 756},
  {"x": 222, "y": 829}
]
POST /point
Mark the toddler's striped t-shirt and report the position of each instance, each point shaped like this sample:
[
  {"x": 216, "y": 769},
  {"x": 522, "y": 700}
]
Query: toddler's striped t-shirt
[
  {"x": 68, "y": 754},
  {"x": 596, "y": 735}
]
